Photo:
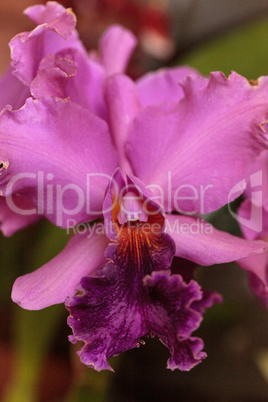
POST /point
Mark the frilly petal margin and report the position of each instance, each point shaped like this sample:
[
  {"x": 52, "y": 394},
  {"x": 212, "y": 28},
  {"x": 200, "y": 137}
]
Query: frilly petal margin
[
  {"x": 163, "y": 86},
  {"x": 218, "y": 114},
  {"x": 134, "y": 295},
  {"x": 59, "y": 278},
  {"x": 55, "y": 32},
  {"x": 52, "y": 13},
  {"x": 198, "y": 241},
  {"x": 71, "y": 74},
  {"x": 53, "y": 74},
  {"x": 111, "y": 319}
]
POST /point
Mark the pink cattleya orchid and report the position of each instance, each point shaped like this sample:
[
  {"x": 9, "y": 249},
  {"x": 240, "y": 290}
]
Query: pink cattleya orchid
[{"x": 133, "y": 164}]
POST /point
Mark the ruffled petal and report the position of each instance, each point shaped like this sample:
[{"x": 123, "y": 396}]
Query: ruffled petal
[
  {"x": 174, "y": 319},
  {"x": 163, "y": 86},
  {"x": 59, "y": 156},
  {"x": 58, "y": 279},
  {"x": 53, "y": 75},
  {"x": 71, "y": 74},
  {"x": 198, "y": 241},
  {"x": 186, "y": 269},
  {"x": 116, "y": 47},
  {"x": 20, "y": 216},
  {"x": 120, "y": 298},
  {"x": 55, "y": 31},
  {"x": 116, "y": 310},
  {"x": 176, "y": 147}
]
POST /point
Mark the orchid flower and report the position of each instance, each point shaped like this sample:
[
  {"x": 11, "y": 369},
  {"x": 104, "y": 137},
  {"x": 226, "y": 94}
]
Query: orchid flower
[{"x": 129, "y": 166}]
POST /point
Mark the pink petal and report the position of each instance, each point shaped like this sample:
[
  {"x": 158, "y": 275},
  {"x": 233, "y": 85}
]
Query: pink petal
[
  {"x": 53, "y": 75},
  {"x": 123, "y": 105},
  {"x": 59, "y": 156},
  {"x": 12, "y": 91},
  {"x": 257, "y": 185},
  {"x": 86, "y": 87},
  {"x": 71, "y": 74},
  {"x": 257, "y": 264},
  {"x": 58, "y": 279},
  {"x": 10, "y": 220},
  {"x": 198, "y": 150},
  {"x": 200, "y": 242},
  {"x": 56, "y": 31},
  {"x": 163, "y": 86},
  {"x": 116, "y": 46},
  {"x": 253, "y": 220},
  {"x": 51, "y": 13},
  {"x": 254, "y": 225}
]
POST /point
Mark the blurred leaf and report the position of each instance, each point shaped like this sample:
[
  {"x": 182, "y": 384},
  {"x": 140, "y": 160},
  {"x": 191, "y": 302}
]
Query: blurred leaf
[
  {"x": 88, "y": 384},
  {"x": 33, "y": 331},
  {"x": 262, "y": 362},
  {"x": 243, "y": 49}
]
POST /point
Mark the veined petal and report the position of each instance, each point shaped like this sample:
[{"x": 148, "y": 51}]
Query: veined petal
[
  {"x": 17, "y": 218},
  {"x": 198, "y": 241},
  {"x": 163, "y": 86},
  {"x": 116, "y": 46},
  {"x": 118, "y": 306},
  {"x": 56, "y": 31},
  {"x": 174, "y": 319},
  {"x": 134, "y": 295},
  {"x": 114, "y": 313},
  {"x": 59, "y": 156},
  {"x": 217, "y": 115},
  {"x": 59, "y": 278}
]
